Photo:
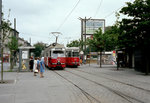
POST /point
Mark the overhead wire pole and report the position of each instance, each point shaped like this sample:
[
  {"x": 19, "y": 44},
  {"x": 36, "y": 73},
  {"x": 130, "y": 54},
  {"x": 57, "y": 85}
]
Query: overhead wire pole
[
  {"x": 0, "y": 22},
  {"x": 1, "y": 81},
  {"x": 83, "y": 33},
  {"x": 85, "y": 37},
  {"x": 0, "y": 40}
]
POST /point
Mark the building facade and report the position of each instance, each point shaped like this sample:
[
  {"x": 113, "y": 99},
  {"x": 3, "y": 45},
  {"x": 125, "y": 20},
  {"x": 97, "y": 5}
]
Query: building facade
[{"x": 21, "y": 42}]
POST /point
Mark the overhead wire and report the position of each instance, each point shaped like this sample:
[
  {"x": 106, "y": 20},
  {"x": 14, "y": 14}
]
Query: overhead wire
[
  {"x": 98, "y": 8},
  {"x": 68, "y": 15},
  {"x": 115, "y": 11}
]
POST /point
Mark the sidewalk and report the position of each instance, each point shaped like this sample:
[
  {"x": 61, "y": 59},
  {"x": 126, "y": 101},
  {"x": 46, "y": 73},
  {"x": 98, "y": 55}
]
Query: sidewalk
[
  {"x": 6, "y": 67},
  {"x": 23, "y": 87}
]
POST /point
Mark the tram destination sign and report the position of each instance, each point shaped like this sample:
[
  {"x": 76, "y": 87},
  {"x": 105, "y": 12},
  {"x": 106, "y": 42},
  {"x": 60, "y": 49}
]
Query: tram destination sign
[{"x": 58, "y": 48}]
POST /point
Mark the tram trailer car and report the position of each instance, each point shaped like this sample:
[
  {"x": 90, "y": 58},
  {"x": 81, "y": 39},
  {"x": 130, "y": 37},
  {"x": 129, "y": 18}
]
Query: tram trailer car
[
  {"x": 54, "y": 56},
  {"x": 72, "y": 57}
]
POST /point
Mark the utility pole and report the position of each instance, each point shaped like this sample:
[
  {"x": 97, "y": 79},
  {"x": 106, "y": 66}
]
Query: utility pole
[
  {"x": 83, "y": 33},
  {"x": 1, "y": 81},
  {"x": 0, "y": 22},
  {"x": 1, "y": 48},
  {"x": 15, "y": 27},
  {"x": 30, "y": 40},
  {"x": 85, "y": 36}
]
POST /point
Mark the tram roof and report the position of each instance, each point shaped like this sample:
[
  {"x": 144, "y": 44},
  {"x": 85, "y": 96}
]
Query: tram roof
[
  {"x": 55, "y": 46},
  {"x": 72, "y": 48}
]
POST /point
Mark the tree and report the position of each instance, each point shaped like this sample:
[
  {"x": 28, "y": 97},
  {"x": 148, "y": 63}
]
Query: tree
[
  {"x": 75, "y": 43},
  {"x": 5, "y": 30},
  {"x": 104, "y": 42},
  {"x": 13, "y": 47},
  {"x": 39, "y": 46},
  {"x": 134, "y": 31},
  {"x": 136, "y": 28},
  {"x": 111, "y": 38},
  {"x": 97, "y": 42}
]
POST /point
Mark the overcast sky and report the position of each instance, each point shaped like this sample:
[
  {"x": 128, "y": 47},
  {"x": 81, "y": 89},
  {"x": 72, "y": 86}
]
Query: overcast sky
[{"x": 36, "y": 19}]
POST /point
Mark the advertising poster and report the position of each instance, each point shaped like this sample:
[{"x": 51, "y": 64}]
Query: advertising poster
[{"x": 24, "y": 54}]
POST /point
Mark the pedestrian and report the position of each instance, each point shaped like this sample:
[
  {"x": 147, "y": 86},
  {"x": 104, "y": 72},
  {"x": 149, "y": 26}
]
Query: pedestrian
[
  {"x": 38, "y": 64},
  {"x": 42, "y": 67},
  {"x": 81, "y": 61},
  {"x": 31, "y": 62},
  {"x": 35, "y": 70}
]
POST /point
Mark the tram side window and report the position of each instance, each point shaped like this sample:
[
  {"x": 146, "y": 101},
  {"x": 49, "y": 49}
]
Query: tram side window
[
  {"x": 50, "y": 53},
  {"x": 69, "y": 54}
]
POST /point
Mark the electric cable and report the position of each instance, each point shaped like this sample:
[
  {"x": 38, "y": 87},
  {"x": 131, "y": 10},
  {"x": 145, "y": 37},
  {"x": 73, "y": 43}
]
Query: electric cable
[
  {"x": 98, "y": 8},
  {"x": 115, "y": 11},
  {"x": 68, "y": 15}
]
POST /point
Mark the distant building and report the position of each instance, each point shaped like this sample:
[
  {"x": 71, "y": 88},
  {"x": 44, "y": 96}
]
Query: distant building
[{"x": 21, "y": 42}]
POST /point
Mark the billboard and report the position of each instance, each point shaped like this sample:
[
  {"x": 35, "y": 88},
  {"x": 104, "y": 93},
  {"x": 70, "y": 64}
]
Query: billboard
[{"x": 92, "y": 25}]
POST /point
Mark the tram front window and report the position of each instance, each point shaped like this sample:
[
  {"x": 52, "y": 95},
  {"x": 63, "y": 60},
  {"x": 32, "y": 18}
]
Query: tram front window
[
  {"x": 58, "y": 54},
  {"x": 75, "y": 54}
]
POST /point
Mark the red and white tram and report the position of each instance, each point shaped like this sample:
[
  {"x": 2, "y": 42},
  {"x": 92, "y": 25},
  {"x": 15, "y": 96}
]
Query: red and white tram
[
  {"x": 54, "y": 56},
  {"x": 72, "y": 56}
]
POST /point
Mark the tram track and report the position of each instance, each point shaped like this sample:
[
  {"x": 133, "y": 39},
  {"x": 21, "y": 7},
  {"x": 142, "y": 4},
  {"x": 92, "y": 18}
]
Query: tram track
[
  {"x": 86, "y": 94},
  {"x": 146, "y": 90},
  {"x": 120, "y": 94}
]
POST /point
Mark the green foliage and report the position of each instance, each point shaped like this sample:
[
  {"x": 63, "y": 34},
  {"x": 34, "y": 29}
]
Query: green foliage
[
  {"x": 5, "y": 29},
  {"x": 75, "y": 43},
  {"x": 111, "y": 38},
  {"x": 13, "y": 44},
  {"x": 98, "y": 41},
  {"x": 134, "y": 31},
  {"x": 104, "y": 42},
  {"x": 13, "y": 47},
  {"x": 38, "y": 48}
]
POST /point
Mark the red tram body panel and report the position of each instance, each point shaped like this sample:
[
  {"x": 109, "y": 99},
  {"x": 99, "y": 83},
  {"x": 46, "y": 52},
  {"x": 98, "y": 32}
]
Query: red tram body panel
[
  {"x": 72, "y": 61},
  {"x": 72, "y": 57},
  {"x": 59, "y": 62}
]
